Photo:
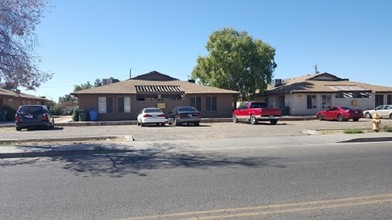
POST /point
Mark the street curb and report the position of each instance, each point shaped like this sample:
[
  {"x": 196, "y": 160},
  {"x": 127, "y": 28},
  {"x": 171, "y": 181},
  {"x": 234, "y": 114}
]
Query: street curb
[
  {"x": 88, "y": 138},
  {"x": 369, "y": 139},
  {"x": 54, "y": 153}
]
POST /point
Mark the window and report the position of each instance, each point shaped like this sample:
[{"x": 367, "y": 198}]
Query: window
[
  {"x": 379, "y": 100},
  {"x": 196, "y": 102},
  {"x": 109, "y": 104},
  {"x": 211, "y": 103},
  {"x": 311, "y": 102},
  {"x": 389, "y": 99},
  {"x": 326, "y": 101},
  {"x": 105, "y": 104},
  {"x": 124, "y": 104}
]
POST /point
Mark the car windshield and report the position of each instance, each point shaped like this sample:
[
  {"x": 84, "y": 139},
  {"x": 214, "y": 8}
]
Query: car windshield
[
  {"x": 186, "y": 109},
  {"x": 30, "y": 110},
  {"x": 152, "y": 110},
  {"x": 259, "y": 105}
]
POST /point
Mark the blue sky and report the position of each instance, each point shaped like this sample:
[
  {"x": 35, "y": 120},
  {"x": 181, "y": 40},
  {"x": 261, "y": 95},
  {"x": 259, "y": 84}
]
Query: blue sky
[{"x": 82, "y": 40}]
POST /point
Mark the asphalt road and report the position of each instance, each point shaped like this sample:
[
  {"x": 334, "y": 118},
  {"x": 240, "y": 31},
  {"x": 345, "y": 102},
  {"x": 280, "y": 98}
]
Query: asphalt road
[{"x": 256, "y": 181}]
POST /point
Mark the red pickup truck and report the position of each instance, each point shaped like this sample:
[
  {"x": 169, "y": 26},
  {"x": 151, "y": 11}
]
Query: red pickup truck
[{"x": 256, "y": 111}]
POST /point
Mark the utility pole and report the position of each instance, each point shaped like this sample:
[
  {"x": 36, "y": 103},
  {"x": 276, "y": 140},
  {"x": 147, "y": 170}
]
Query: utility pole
[{"x": 315, "y": 69}]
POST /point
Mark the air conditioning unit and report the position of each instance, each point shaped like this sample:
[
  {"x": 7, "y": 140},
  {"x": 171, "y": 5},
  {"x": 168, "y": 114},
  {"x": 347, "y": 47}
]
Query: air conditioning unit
[
  {"x": 106, "y": 81},
  {"x": 278, "y": 82}
]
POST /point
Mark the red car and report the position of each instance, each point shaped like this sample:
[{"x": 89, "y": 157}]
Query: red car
[{"x": 340, "y": 113}]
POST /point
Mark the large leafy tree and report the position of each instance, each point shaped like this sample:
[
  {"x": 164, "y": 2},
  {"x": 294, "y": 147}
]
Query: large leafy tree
[
  {"x": 236, "y": 61},
  {"x": 18, "y": 62}
]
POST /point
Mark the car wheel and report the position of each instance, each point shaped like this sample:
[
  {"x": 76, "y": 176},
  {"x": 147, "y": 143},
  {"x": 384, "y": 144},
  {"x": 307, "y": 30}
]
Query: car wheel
[
  {"x": 355, "y": 119},
  {"x": 18, "y": 129},
  {"x": 197, "y": 123},
  {"x": 368, "y": 115},
  {"x": 340, "y": 118},
  {"x": 273, "y": 121},
  {"x": 235, "y": 119},
  {"x": 390, "y": 116},
  {"x": 51, "y": 126},
  {"x": 320, "y": 117},
  {"x": 253, "y": 120},
  {"x": 174, "y": 122}
]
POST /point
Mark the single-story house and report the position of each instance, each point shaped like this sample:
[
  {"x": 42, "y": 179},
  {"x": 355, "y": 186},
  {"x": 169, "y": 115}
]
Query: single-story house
[
  {"x": 14, "y": 99},
  {"x": 124, "y": 100},
  {"x": 308, "y": 94}
]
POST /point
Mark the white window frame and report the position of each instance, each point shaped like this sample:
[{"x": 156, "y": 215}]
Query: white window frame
[
  {"x": 102, "y": 105},
  {"x": 127, "y": 104}
]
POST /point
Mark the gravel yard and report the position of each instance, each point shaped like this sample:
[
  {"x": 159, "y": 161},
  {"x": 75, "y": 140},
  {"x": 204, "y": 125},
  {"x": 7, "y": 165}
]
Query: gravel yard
[{"x": 204, "y": 131}]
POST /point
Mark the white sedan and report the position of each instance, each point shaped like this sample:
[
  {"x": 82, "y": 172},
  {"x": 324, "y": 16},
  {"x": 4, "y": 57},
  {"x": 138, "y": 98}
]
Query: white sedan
[{"x": 151, "y": 116}]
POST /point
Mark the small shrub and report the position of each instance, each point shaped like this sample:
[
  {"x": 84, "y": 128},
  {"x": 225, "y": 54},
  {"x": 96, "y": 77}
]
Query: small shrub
[
  {"x": 75, "y": 114},
  {"x": 353, "y": 131},
  {"x": 55, "y": 109},
  {"x": 8, "y": 112},
  {"x": 387, "y": 128}
]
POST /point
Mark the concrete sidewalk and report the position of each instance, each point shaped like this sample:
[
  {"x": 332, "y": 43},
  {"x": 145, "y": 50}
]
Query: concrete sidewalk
[{"x": 109, "y": 145}]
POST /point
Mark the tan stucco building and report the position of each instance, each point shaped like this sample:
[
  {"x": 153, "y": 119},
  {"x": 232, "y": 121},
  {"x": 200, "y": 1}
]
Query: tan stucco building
[{"x": 124, "y": 100}]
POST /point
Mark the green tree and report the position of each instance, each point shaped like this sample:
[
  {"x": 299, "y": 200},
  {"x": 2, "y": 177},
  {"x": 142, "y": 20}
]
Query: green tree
[
  {"x": 67, "y": 98},
  {"x": 83, "y": 86},
  {"x": 18, "y": 62},
  {"x": 236, "y": 61},
  {"x": 97, "y": 83}
]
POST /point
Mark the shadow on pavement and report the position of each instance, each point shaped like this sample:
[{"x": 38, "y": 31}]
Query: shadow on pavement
[{"x": 116, "y": 162}]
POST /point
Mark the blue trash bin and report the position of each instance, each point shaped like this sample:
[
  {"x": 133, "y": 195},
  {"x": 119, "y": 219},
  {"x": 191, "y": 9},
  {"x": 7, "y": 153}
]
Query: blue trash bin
[{"x": 93, "y": 115}]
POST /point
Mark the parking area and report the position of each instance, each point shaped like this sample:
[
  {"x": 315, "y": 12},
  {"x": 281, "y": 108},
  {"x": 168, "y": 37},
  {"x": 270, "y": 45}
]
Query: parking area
[{"x": 204, "y": 131}]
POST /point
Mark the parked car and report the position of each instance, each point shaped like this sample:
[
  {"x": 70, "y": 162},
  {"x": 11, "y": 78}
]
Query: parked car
[
  {"x": 256, "y": 111},
  {"x": 184, "y": 114},
  {"x": 33, "y": 116},
  {"x": 151, "y": 115},
  {"x": 383, "y": 111},
  {"x": 340, "y": 113}
]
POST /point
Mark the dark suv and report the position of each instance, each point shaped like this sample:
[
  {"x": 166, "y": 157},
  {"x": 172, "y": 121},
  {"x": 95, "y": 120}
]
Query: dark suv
[{"x": 31, "y": 116}]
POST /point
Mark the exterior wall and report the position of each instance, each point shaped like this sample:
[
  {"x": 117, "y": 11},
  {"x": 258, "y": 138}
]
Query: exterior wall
[
  {"x": 387, "y": 99},
  {"x": 297, "y": 103},
  {"x": 90, "y": 102},
  {"x": 15, "y": 102},
  {"x": 360, "y": 103}
]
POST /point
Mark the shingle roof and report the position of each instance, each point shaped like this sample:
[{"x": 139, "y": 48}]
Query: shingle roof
[
  {"x": 327, "y": 83},
  {"x": 5, "y": 92},
  {"x": 134, "y": 86}
]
